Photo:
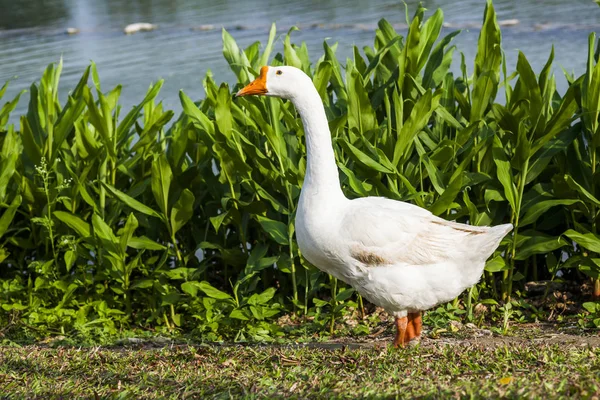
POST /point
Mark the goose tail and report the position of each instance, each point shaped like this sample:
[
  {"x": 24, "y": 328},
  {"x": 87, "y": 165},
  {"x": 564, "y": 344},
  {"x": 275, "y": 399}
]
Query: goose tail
[{"x": 489, "y": 242}]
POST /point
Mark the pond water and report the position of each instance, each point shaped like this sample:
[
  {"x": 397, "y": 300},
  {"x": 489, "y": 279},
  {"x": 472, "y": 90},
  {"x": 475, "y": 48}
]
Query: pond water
[{"x": 32, "y": 35}]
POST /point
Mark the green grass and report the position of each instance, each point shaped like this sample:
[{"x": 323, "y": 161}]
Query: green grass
[
  {"x": 115, "y": 218},
  {"x": 545, "y": 366}
]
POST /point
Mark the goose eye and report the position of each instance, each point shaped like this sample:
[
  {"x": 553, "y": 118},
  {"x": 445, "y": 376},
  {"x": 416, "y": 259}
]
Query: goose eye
[{"x": 279, "y": 72}]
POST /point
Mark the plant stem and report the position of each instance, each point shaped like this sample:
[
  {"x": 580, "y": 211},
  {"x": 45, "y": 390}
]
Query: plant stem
[
  {"x": 595, "y": 281},
  {"x": 492, "y": 283},
  {"x": 361, "y": 306},
  {"x": 49, "y": 219},
  {"x": 177, "y": 252},
  {"x": 102, "y": 176},
  {"x": 516, "y": 231},
  {"x": 113, "y": 173},
  {"x": 469, "y": 305},
  {"x": 306, "y": 291},
  {"x": 333, "y": 282},
  {"x": 293, "y": 265}
]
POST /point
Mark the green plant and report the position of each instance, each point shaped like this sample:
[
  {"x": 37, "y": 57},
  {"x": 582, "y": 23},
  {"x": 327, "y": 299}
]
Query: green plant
[
  {"x": 113, "y": 220},
  {"x": 593, "y": 308}
]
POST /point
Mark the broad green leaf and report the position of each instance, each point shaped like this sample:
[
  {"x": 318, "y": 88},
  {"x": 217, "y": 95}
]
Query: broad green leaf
[
  {"x": 590, "y": 267},
  {"x": 235, "y": 57},
  {"x": 257, "y": 261},
  {"x": 9, "y": 214},
  {"x": 223, "y": 117},
  {"x": 144, "y": 243},
  {"x": 262, "y": 298},
  {"x": 161, "y": 182},
  {"x": 142, "y": 284},
  {"x": 278, "y": 231},
  {"x": 133, "y": 115},
  {"x": 581, "y": 190},
  {"x": 360, "y": 113},
  {"x": 363, "y": 159},
  {"x": 536, "y": 210},
  {"x": 182, "y": 210},
  {"x": 264, "y": 58},
  {"x": 197, "y": 116},
  {"x": 210, "y": 291},
  {"x": 592, "y": 306},
  {"x": 106, "y": 235},
  {"x": 435, "y": 175},
  {"x": 487, "y": 65},
  {"x": 8, "y": 107},
  {"x": 65, "y": 124},
  {"x": 130, "y": 226},
  {"x": 417, "y": 120},
  {"x": 344, "y": 294},
  {"x": 238, "y": 314},
  {"x": 439, "y": 62},
  {"x": 190, "y": 288},
  {"x": 534, "y": 96},
  {"x": 496, "y": 264},
  {"x": 101, "y": 118},
  {"x": 70, "y": 257},
  {"x": 362, "y": 188},
  {"x": 218, "y": 220},
  {"x": 131, "y": 202},
  {"x": 30, "y": 144},
  {"x": 289, "y": 52},
  {"x": 539, "y": 244},
  {"x": 504, "y": 173},
  {"x": 337, "y": 81},
  {"x": 560, "y": 121},
  {"x": 444, "y": 202},
  {"x": 586, "y": 240},
  {"x": 546, "y": 154},
  {"x": 321, "y": 79},
  {"x": 9, "y": 155},
  {"x": 3, "y": 254},
  {"x": 74, "y": 222},
  {"x": 590, "y": 93},
  {"x": 277, "y": 206},
  {"x": 420, "y": 40}
]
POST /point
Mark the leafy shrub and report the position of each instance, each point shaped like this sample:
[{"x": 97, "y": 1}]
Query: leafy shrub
[{"x": 114, "y": 219}]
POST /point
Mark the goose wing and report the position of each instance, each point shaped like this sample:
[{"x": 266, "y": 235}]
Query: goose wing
[{"x": 381, "y": 231}]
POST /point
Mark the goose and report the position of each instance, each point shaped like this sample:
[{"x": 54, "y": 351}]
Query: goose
[{"x": 397, "y": 255}]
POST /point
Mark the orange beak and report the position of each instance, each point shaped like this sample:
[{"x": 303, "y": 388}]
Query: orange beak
[{"x": 257, "y": 86}]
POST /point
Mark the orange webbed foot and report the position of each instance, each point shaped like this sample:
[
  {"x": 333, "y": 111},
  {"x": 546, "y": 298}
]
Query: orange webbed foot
[{"x": 408, "y": 329}]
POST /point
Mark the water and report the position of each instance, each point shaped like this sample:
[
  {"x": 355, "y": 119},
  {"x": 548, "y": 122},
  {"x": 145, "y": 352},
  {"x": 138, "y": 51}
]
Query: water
[{"x": 32, "y": 35}]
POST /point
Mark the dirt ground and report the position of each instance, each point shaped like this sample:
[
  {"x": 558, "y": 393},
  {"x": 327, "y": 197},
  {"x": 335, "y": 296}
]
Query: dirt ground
[{"x": 526, "y": 334}]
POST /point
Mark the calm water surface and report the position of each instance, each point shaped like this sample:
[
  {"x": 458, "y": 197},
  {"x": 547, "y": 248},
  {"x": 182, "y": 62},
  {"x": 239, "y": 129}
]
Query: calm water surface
[{"x": 32, "y": 35}]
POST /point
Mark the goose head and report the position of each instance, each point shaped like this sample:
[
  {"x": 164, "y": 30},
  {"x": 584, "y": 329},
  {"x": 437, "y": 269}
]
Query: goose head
[{"x": 284, "y": 81}]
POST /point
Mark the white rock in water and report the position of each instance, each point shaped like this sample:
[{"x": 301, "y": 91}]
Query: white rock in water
[
  {"x": 203, "y": 28},
  {"x": 508, "y": 22},
  {"x": 72, "y": 31},
  {"x": 139, "y": 27}
]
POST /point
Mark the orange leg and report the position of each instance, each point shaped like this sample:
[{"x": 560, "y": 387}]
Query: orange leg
[
  {"x": 418, "y": 322},
  {"x": 410, "y": 329},
  {"x": 401, "y": 324},
  {"x": 414, "y": 326}
]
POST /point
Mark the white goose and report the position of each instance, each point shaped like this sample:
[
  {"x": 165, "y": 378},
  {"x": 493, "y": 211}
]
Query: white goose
[{"x": 397, "y": 255}]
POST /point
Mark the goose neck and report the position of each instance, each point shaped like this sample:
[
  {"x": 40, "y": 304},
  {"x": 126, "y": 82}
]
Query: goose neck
[{"x": 322, "y": 176}]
